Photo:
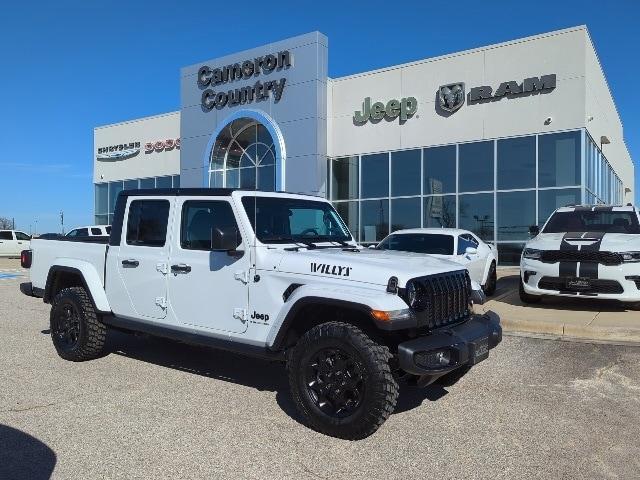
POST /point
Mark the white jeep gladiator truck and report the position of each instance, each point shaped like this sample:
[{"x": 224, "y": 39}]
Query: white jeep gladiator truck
[{"x": 274, "y": 275}]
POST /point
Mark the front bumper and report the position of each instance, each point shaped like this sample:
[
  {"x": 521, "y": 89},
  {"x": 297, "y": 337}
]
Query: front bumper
[
  {"x": 462, "y": 342},
  {"x": 624, "y": 277}
]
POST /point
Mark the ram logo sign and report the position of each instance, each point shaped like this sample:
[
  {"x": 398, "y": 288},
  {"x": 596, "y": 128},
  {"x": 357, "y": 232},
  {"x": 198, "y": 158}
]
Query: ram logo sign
[{"x": 451, "y": 96}]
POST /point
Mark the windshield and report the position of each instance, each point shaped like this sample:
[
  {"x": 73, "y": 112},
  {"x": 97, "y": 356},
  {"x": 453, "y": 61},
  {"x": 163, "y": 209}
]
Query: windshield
[
  {"x": 434, "y": 244},
  {"x": 285, "y": 220},
  {"x": 589, "y": 221}
]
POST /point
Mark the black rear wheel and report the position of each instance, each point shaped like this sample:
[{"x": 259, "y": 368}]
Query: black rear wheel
[
  {"x": 492, "y": 279},
  {"x": 341, "y": 381},
  {"x": 76, "y": 331}
]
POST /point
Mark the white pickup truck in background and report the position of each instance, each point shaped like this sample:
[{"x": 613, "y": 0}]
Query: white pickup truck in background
[
  {"x": 273, "y": 275},
  {"x": 12, "y": 242}
]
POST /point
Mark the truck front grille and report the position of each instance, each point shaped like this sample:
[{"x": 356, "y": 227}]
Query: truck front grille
[
  {"x": 592, "y": 256},
  {"x": 443, "y": 299}
]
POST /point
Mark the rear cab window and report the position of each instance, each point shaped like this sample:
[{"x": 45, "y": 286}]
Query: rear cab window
[
  {"x": 147, "y": 223},
  {"x": 6, "y": 235}
]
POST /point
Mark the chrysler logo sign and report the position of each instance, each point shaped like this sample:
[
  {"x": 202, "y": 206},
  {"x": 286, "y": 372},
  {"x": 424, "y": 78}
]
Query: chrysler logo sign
[
  {"x": 451, "y": 97},
  {"x": 118, "y": 152}
]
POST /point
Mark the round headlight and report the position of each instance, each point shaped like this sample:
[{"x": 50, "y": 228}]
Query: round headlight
[{"x": 412, "y": 294}]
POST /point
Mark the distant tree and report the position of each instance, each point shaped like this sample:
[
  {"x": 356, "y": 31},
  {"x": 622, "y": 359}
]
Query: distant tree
[{"x": 5, "y": 223}]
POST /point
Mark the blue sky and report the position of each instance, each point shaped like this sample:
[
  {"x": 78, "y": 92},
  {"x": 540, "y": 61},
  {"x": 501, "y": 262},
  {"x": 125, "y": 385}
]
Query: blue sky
[{"x": 71, "y": 65}]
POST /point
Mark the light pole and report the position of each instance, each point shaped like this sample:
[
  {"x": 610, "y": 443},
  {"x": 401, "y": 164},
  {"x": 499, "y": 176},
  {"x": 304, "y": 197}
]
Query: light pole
[{"x": 62, "y": 221}]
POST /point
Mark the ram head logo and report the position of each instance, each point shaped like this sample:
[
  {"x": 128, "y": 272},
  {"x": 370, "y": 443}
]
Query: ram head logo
[{"x": 451, "y": 97}]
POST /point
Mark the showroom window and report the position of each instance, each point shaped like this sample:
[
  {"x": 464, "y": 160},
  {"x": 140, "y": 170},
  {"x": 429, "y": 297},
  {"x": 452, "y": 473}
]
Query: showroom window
[
  {"x": 476, "y": 214},
  {"x": 345, "y": 179},
  {"x": 440, "y": 170},
  {"x": 516, "y": 163},
  {"x": 243, "y": 156},
  {"x": 488, "y": 187},
  {"x": 106, "y": 194},
  {"x": 559, "y": 159},
  {"x": 375, "y": 175},
  {"x": 406, "y": 171},
  {"x": 476, "y": 166},
  {"x": 516, "y": 212}
]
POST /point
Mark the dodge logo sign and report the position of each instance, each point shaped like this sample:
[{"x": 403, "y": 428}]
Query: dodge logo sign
[{"x": 451, "y": 97}]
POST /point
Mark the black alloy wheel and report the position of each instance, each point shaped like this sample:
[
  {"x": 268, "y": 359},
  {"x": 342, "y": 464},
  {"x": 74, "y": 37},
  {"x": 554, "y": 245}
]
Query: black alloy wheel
[
  {"x": 66, "y": 326},
  {"x": 335, "y": 382}
]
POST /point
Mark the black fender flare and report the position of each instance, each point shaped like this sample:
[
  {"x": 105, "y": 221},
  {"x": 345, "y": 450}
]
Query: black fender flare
[
  {"x": 54, "y": 271},
  {"x": 307, "y": 301}
]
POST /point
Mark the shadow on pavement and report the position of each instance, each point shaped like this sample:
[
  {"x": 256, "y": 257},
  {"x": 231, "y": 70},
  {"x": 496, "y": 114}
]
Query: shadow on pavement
[
  {"x": 23, "y": 456},
  {"x": 229, "y": 367},
  {"x": 507, "y": 292}
]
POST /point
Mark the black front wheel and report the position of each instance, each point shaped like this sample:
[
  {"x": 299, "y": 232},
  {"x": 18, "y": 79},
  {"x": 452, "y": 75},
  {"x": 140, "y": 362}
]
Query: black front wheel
[
  {"x": 341, "y": 381},
  {"x": 76, "y": 331}
]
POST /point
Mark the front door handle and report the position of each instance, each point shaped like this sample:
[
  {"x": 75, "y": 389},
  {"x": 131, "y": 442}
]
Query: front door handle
[
  {"x": 130, "y": 263},
  {"x": 181, "y": 268}
]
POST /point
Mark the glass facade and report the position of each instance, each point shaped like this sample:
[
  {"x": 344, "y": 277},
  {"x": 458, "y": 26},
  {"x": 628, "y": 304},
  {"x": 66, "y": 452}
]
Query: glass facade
[
  {"x": 106, "y": 193},
  {"x": 495, "y": 188}
]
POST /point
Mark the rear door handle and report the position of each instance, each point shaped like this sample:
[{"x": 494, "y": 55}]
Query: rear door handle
[
  {"x": 130, "y": 263},
  {"x": 181, "y": 268}
]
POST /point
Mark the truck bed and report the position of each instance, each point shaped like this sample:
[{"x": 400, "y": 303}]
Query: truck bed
[{"x": 48, "y": 252}]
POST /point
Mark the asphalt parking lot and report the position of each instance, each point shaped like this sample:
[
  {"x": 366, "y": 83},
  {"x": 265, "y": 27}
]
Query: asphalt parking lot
[{"x": 158, "y": 409}]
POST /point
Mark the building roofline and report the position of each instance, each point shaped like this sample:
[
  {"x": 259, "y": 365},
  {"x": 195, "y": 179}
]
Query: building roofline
[
  {"x": 466, "y": 52},
  {"x": 136, "y": 120}
]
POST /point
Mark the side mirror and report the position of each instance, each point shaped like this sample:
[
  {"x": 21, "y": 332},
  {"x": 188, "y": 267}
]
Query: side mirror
[
  {"x": 471, "y": 251},
  {"x": 225, "y": 239},
  {"x": 534, "y": 230}
]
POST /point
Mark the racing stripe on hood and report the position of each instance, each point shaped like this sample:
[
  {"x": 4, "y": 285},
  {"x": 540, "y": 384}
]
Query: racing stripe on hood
[
  {"x": 568, "y": 269},
  {"x": 590, "y": 269}
]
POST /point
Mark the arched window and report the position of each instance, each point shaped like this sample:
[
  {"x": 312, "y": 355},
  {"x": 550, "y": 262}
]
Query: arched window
[{"x": 243, "y": 156}]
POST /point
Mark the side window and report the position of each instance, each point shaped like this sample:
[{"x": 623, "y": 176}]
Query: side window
[
  {"x": 108, "y": 230},
  {"x": 73, "y": 233},
  {"x": 463, "y": 243},
  {"x": 147, "y": 223},
  {"x": 22, "y": 236},
  {"x": 204, "y": 222},
  {"x": 6, "y": 236},
  {"x": 96, "y": 231}
]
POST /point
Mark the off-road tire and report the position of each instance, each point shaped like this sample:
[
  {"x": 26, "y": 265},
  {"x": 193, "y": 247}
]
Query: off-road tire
[
  {"x": 489, "y": 287},
  {"x": 91, "y": 332},
  {"x": 380, "y": 389},
  {"x": 526, "y": 297}
]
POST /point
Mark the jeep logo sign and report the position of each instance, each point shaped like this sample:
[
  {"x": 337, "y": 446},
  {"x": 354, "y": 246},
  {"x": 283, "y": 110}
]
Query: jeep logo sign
[{"x": 394, "y": 108}]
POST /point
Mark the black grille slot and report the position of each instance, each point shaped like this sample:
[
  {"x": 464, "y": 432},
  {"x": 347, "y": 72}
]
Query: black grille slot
[
  {"x": 592, "y": 256},
  {"x": 597, "y": 285},
  {"x": 443, "y": 299}
]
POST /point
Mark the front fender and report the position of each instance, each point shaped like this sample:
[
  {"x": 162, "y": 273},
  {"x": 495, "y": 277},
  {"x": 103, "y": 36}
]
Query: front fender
[
  {"x": 360, "y": 298},
  {"x": 89, "y": 276}
]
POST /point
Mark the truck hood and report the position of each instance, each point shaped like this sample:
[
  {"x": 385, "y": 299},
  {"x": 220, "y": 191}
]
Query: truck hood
[
  {"x": 367, "y": 265},
  {"x": 609, "y": 242}
]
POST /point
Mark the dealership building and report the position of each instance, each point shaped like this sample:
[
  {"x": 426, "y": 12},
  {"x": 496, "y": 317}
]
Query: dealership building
[{"x": 491, "y": 139}]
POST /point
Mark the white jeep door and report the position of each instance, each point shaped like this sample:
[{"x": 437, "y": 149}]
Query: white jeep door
[
  {"x": 142, "y": 259},
  {"x": 209, "y": 266}
]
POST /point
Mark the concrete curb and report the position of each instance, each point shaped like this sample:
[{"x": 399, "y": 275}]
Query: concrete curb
[{"x": 582, "y": 332}]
